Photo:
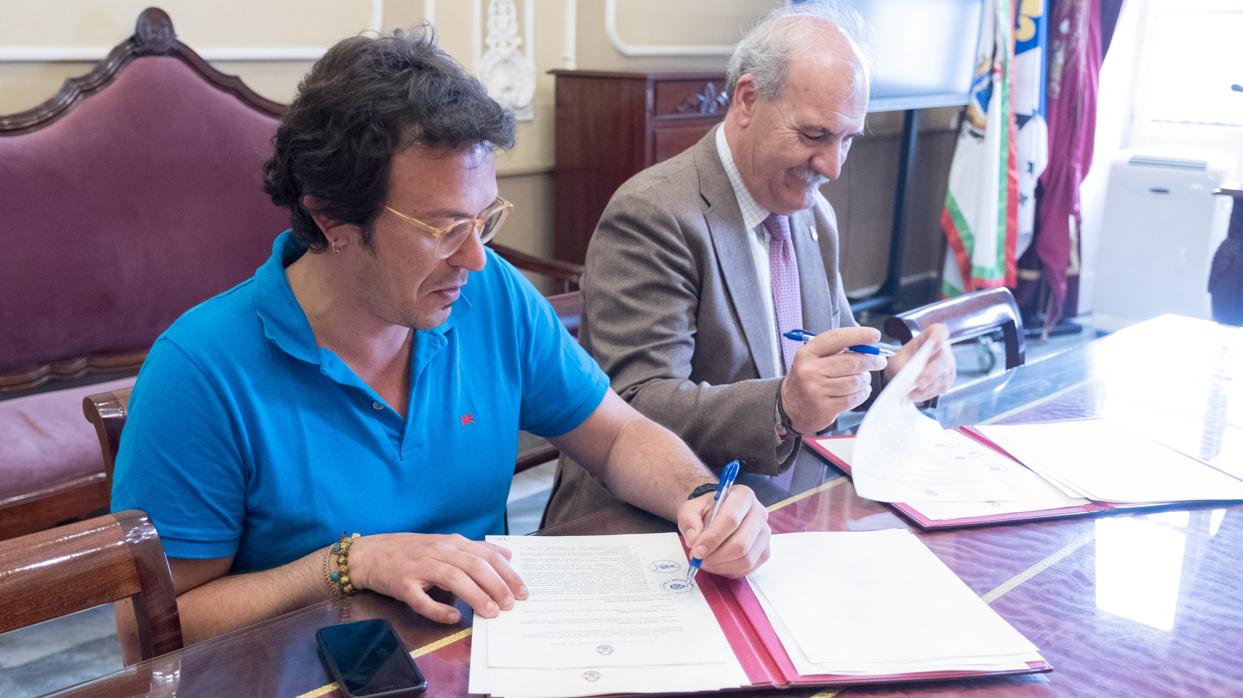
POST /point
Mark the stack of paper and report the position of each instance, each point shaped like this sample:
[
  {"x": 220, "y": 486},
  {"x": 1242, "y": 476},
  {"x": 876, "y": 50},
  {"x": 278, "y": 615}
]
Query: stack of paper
[
  {"x": 901, "y": 455},
  {"x": 606, "y": 614},
  {"x": 1032, "y": 492},
  {"x": 1106, "y": 462},
  {"x": 879, "y": 603}
]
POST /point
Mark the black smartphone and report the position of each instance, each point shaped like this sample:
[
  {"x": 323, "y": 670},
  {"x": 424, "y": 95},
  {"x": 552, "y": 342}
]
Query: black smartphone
[{"x": 367, "y": 660}]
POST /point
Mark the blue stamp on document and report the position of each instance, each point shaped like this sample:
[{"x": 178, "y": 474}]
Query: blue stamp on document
[
  {"x": 677, "y": 586},
  {"x": 665, "y": 566}
]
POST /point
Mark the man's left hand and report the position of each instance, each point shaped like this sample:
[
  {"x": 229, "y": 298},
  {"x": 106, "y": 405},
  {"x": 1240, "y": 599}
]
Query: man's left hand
[
  {"x": 737, "y": 541},
  {"x": 938, "y": 375}
]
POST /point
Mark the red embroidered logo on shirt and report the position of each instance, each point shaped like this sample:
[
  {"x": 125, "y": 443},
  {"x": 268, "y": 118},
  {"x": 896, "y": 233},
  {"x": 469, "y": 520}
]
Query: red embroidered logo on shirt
[{"x": 468, "y": 418}]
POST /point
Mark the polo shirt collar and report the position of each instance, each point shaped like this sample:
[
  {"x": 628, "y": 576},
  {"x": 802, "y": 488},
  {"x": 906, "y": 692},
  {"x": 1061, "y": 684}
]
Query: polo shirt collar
[{"x": 285, "y": 323}]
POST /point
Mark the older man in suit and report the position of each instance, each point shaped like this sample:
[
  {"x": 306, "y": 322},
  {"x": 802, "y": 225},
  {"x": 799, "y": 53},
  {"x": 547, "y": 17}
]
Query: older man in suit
[{"x": 701, "y": 263}]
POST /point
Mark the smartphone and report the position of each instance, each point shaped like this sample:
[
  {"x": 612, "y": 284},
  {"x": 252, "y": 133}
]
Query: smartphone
[{"x": 367, "y": 660}]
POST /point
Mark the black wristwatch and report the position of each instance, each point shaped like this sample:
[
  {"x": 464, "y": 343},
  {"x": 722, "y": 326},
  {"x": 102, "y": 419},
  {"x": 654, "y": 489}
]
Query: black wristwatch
[
  {"x": 704, "y": 489},
  {"x": 785, "y": 428}
]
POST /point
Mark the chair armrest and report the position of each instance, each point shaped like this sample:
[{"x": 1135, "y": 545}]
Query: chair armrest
[
  {"x": 565, "y": 274},
  {"x": 107, "y": 412}
]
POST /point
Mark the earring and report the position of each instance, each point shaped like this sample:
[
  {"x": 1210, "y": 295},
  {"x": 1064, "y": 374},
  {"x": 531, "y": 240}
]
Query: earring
[{"x": 335, "y": 249}]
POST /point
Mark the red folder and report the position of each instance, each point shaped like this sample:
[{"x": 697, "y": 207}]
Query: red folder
[
  {"x": 919, "y": 519},
  {"x": 765, "y": 660}
]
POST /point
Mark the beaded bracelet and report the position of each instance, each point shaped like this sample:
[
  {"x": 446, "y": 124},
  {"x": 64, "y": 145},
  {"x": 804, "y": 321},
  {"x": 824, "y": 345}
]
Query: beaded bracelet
[{"x": 339, "y": 578}]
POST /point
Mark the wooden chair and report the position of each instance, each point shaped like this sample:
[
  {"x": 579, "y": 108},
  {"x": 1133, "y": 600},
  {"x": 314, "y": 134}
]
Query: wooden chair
[
  {"x": 565, "y": 275},
  {"x": 82, "y": 565},
  {"x": 568, "y": 302},
  {"x": 968, "y": 316},
  {"x": 107, "y": 411}
]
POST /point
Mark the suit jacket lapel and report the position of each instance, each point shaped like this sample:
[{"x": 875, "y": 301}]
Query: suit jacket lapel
[
  {"x": 733, "y": 253},
  {"x": 817, "y": 294}
]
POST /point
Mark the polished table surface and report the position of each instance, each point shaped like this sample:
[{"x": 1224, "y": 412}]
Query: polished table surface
[{"x": 1146, "y": 603}]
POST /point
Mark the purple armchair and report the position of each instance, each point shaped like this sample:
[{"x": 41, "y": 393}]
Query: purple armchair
[{"x": 128, "y": 197}]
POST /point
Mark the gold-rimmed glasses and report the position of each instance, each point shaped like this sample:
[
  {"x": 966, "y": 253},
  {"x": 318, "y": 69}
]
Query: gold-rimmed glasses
[{"x": 449, "y": 238}]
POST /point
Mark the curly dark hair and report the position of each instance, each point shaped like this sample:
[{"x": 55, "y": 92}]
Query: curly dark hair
[{"x": 366, "y": 100}]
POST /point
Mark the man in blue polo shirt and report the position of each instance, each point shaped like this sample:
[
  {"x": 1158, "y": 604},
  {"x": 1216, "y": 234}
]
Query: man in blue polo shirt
[{"x": 374, "y": 373}]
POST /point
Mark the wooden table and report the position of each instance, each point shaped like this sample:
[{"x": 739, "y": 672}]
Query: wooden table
[{"x": 1120, "y": 604}]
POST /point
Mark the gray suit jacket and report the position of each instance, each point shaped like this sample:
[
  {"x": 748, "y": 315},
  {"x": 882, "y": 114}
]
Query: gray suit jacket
[{"x": 675, "y": 315}]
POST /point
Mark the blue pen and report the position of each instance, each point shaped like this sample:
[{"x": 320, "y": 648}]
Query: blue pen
[
  {"x": 873, "y": 349},
  {"x": 727, "y": 481}
]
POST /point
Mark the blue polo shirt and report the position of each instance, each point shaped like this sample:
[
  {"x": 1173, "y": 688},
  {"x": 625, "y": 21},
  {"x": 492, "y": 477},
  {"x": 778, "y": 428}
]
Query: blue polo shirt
[{"x": 245, "y": 438}]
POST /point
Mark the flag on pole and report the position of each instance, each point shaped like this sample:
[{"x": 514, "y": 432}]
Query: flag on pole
[
  {"x": 980, "y": 217},
  {"x": 1074, "y": 74},
  {"x": 1032, "y": 146}
]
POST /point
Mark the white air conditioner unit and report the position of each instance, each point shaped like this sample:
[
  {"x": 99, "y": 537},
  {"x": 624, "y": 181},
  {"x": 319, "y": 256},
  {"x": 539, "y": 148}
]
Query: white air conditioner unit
[{"x": 1161, "y": 226}]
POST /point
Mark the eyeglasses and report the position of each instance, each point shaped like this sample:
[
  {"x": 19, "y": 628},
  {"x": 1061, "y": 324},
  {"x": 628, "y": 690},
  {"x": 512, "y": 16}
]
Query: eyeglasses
[{"x": 449, "y": 238}]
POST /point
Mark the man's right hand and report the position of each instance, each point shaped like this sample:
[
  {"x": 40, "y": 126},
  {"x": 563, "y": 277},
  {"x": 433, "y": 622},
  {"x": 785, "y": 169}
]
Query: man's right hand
[
  {"x": 405, "y": 565},
  {"x": 826, "y": 380}
]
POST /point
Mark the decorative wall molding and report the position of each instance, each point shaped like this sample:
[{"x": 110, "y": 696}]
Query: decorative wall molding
[
  {"x": 507, "y": 68},
  {"x": 90, "y": 54},
  {"x": 636, "y": 50}
]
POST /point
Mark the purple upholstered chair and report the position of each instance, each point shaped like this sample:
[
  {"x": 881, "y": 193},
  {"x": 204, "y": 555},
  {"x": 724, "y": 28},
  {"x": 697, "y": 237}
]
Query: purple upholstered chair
[{"x": 125, "y": 199}]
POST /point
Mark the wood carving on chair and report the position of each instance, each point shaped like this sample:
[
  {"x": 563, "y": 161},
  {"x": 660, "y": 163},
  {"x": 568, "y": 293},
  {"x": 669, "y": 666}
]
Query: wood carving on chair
[{"x": 153, "y": 36}]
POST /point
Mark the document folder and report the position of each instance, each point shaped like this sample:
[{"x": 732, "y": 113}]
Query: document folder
[
  {"x": 911, "y": 510},
  {"x": 765, "y": 661},
  {"x": 838, "y": 625}
]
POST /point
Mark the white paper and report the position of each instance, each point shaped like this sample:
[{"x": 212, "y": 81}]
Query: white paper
[
  {"x": 584, "y": 681},
  {"x": 604, "y": 601},
  {"x": 880, "y": 602},
  {"x": 1110, "y": 463},
  {"x": 901, "y": 455},
  {"x": 1034, "y": 492},
  {"x": 605, "y": 614},
  {"x": 1199, "y": 431},
  {"x": 806, "y": 667}
]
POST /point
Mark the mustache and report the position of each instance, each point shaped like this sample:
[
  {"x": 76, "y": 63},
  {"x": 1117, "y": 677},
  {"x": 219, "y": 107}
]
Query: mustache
[{"x": 810, "y": 176}]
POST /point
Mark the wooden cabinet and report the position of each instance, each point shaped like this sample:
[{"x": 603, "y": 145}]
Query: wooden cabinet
[{"x": 610, "y": 126}]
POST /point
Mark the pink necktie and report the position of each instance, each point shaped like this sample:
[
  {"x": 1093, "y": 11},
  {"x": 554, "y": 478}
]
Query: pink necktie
[{"x": 787, "y": 302}]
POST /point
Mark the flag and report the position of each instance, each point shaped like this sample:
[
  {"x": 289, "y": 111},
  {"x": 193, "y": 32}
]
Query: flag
[
  {"x": 1074, "y": 71},
  {"x": 1032, "y": 146},
  {"x": 980, "y": 217}
]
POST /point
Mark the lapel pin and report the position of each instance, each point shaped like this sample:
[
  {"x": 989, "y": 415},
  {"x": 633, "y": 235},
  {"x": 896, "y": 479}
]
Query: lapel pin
[{"x": 811, "y": 229}]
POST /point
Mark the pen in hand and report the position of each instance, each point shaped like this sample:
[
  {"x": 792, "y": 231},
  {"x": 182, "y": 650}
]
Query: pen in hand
[
  {"x": 727, "y": 481},
  {"x": 804, "y": 336}
]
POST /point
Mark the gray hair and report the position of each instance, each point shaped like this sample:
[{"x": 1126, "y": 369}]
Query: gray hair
[{"x": 765, "y": 52}]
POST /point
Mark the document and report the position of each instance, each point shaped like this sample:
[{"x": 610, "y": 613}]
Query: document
[
  {"x": 1212, "y": 443},
  {"x": 879, "y": 603},
  {"x": 614, "y": 614},
  {"x": 902, "y": 455},
  {"x": 1034, "y": 493},
  {"x": 1111, "y": 463},
  {"x": 1202, "y": 431},
  {"x": 606, "y": 614}
]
